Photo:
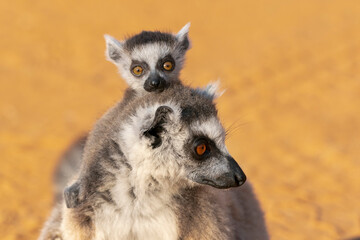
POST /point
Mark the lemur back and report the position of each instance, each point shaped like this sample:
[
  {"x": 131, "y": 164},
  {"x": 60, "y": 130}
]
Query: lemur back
[{"x": 150, "y": 171}]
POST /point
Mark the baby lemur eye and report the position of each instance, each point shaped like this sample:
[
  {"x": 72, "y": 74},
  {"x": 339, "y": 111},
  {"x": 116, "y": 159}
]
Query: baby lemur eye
[
  {"x": 168, "y": 66},
  {"x": 137, "y": 71}
]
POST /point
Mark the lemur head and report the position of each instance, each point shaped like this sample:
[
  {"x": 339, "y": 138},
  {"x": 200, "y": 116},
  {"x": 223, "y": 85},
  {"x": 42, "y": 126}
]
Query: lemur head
[
  {"x": 174, "y": 137},
  {"x": 149, "y": 61},
  {"x": 182, "y": 140}
]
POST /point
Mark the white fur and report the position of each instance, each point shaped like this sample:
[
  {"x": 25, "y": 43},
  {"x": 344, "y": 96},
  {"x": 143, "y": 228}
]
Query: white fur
[
  {"x": 211, "y": 90},
  {"x": 148, "y": 218},
  {"x": 151, "y": 53},
  {"x": 145, "y": 217},
  {"x": 111, "y": 42},
  {"x": 150, "y": 215},
  {"x": 183, "y": 32}
]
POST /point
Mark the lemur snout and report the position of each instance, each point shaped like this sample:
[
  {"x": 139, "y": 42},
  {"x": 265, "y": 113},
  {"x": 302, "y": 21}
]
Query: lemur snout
[
  {"x": 233, "y": 177},
  {"x": 239, "y": 175},
  {"x": 155, "y": 83}
]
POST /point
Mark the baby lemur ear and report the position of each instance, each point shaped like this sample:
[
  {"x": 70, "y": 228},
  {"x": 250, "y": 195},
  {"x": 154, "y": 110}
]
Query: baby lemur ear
[
  {"x": 183, "y": 38},
  {"x": 114, "y": 49},
  {"x": 153, "y": 132}
]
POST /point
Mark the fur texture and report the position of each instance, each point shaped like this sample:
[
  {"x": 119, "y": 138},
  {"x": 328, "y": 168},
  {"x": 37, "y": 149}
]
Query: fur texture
[
  {"x": 132, "y": 188},
  {"x": 149, "y": 50}
]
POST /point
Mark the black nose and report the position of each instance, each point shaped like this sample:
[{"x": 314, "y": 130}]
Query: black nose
[
  {"x": 155, "y": 82},
  {"x": 239, "y": 175}
]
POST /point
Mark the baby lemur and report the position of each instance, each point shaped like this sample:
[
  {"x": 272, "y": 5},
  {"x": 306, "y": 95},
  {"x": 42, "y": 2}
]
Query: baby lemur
[{"x": 155, "y": 169}]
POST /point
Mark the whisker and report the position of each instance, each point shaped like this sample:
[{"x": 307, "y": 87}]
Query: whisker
[{"x": 234, "y": 127}]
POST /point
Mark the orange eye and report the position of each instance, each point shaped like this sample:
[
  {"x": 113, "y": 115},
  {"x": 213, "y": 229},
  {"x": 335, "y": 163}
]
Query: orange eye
[
  {"x": 137, "y": 71},
  {"x": 200, "y": 149},
  {"x": 168, "y": 66}
]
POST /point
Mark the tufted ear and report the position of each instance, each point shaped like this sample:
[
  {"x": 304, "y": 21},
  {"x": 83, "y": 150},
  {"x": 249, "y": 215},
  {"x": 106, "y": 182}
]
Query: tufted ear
[
  {"x": 183, "y": 38},
  {"x": 211, "y": 90},
  {"x": 72, "y": 195},
  {"x": 157, "y": 127},
  {"x": 114, "y": 49}
]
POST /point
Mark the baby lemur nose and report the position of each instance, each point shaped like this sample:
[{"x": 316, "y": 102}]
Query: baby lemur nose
[{"x": 155, "y": 82}]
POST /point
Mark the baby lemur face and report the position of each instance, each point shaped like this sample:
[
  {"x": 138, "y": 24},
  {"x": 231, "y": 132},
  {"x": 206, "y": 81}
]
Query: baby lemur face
[
  {"x": 180, "y": 143},
  {"x": 149, "y": 61}
]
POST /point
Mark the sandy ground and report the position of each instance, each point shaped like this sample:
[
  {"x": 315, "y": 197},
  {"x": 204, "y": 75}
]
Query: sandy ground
[{"x": 292, "y": 74}]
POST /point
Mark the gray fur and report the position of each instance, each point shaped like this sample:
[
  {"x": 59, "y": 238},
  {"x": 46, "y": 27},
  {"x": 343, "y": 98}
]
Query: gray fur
[
  {"x": 150, "y": 51},
  {"x": 119, "y": 53},
  {"x": 160, "y": 177},
  {"x": 68, "y": 167},
  {"x": 70, "y": 161}
]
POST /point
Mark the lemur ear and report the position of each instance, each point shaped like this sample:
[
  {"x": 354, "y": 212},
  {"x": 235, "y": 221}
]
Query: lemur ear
[
  {"x": 211, "y": 90},
  {"x": 162, "y": 116},
  {"x": 183, "y": 38},
  {"x": 72, "y": 195},
  {"x": 114, "y": 49}
]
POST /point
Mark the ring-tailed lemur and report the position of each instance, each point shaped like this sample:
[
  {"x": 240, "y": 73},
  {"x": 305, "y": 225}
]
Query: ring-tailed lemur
[
  {"x": 149, "y": 62},
  {"x": 147, "y": 171}
]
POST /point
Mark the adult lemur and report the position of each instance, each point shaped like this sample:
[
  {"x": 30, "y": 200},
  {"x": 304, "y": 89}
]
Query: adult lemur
[{"x": 151, "y": 170}]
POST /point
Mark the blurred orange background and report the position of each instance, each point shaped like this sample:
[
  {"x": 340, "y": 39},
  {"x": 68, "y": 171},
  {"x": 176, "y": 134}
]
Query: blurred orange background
[{"x": 292, "y": 74}]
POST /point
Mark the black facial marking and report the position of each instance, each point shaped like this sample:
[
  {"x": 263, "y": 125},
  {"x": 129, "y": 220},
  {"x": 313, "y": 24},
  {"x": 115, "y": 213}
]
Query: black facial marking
[
  {"x": 211, "y": 151},
  {"x": 136, "y": 63},
  {"x": 160, "y": 63},
  {"x": 148, "y": 37},
  {"x": 202, "y": 141}
]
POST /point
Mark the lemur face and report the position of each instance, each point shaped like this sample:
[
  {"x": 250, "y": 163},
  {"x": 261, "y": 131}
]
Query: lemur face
[
  {"x": 149, "y": 61},
  {"x": 178, "y": 145}
]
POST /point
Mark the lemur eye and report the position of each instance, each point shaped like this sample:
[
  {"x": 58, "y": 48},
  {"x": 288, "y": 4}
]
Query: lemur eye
[
  {"x": 168, "y": 66},
  {"x": 202, "y": 148},
  {"x": 137, "y": 71}
]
